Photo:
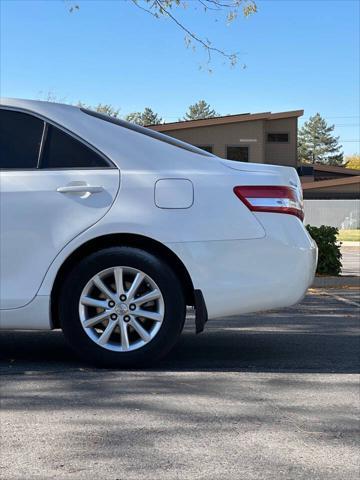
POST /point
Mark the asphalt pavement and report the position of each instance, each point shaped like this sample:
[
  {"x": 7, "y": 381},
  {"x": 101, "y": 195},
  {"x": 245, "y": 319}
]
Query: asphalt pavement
[
  {"x": 350, "y": 259},
  {"x": 266, "y": 396}
]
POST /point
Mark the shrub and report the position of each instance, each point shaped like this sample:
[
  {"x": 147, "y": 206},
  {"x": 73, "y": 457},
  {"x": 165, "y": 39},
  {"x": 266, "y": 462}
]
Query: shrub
[{"x": 329, "y": 262}]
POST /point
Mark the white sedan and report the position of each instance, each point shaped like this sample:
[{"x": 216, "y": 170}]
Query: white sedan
[{"x": 109, "y": 231}]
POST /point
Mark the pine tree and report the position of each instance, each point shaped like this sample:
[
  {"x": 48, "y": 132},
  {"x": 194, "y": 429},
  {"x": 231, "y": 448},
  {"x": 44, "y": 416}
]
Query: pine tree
[
  {"x": 317, "y": 144},
  {"x": 200, "y": 110},
  {"x": 147, "y": 117}
]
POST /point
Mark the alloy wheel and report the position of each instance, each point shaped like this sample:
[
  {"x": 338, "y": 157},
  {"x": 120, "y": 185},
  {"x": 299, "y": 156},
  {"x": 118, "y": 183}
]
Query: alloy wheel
[{"x": 121, "y": 309}]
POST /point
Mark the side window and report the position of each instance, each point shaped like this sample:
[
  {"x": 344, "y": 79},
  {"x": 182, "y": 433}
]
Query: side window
[
  {"x": 63, "y": 151},
  {"x": 20, "y": 138},
  {"x": 240, "y": 154}
]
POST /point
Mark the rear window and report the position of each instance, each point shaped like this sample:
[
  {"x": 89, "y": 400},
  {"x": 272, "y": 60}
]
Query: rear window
[
  {"x": 64, "y": 151},
  {"x": 148, "y": 132}
]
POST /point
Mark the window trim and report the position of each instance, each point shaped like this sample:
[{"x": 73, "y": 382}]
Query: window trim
[
  {"x": 42, "y": 145},
  {"x": 247, "y": 145},
  {"x": 278, "y": 133},
  {"x": 48, "y": 122}
]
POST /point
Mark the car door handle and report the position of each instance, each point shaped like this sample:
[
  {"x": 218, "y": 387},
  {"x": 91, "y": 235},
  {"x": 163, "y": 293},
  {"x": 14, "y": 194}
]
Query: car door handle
[{"x": 80, "y": 189}]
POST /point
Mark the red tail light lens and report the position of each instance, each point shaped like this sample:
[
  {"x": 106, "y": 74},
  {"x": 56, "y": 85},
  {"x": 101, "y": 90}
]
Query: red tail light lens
[{"x": 271, "y": 199}]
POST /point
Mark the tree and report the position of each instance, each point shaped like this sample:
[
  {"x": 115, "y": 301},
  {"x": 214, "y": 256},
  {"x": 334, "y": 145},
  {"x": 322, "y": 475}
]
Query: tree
[
  {"x": 51, "y": 96},
  {"x": 168, "y": 9},
  {"x": 353, "y": 161},
  {"x": 317, "y": 144},
  {"x": 104, "y": 108},
  {"x": 147, "y": 117},
  {"x": 200, "y": 110}
]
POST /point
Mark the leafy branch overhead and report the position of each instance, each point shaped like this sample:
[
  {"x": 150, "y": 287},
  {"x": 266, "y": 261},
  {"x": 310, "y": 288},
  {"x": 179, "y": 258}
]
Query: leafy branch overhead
[{"x": 169, "y": 9}]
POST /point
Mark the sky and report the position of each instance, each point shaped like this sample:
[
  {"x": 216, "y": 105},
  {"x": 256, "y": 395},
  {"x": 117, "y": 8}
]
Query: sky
[{"x": 298, "y": 55}]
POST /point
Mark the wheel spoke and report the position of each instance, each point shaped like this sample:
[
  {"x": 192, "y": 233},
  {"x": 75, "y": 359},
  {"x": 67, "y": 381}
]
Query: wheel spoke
[
  {"x": 157, "y": 317},
  {"x": 102, "y": 312},
  {"x": 104, "y": 289},
  {"x": 148, "y": 297},
  {"x": 95, "y": 320},
  {"x": 139, "y": 277},
  {"x": 124, "y": 336},
  {"x": 93, "y": 302},
  {"x": 104, "y": 337},
  {"x": 119, "y": 281},
  {"x": 140, "y": 330}
]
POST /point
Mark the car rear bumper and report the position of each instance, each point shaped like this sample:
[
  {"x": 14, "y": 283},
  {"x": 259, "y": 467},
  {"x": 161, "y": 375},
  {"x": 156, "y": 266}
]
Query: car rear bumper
[{"x": 243, "y": 276}]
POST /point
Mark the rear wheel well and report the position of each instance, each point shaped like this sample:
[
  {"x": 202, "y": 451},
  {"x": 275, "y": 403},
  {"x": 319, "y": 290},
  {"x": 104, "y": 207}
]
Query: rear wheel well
[{"x": 129, "y": 240}]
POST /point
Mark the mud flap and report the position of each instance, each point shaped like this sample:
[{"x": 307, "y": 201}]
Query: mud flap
[{"x": 201, "y": 314}]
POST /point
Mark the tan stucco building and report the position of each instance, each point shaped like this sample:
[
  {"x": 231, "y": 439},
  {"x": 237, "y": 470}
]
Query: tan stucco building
[
  {"x": 265, "y": 138},
  {"x": 261, "y": 137}
]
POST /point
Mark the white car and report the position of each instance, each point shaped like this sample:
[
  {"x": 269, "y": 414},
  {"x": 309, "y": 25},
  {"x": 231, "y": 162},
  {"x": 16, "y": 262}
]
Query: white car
[{"x": 109, "y": 231}]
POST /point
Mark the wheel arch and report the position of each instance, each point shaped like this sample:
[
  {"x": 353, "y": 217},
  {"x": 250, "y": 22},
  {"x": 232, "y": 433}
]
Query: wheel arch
[{"x": 121, "y": 239}]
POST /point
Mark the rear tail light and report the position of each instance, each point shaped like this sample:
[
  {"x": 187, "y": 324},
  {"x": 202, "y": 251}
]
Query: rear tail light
[{"x": 271, "y": 199}]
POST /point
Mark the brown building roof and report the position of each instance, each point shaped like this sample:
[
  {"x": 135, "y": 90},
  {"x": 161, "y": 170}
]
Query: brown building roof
[
  {"x": 331, "y": 183},
  {"x": 243, "y": 117},
  {"x": 334, "y": 169}
]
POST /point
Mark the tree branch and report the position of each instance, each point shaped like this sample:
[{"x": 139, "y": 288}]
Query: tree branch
[
  {"x": 158, "y": 8},
  {"x": 147, "y": 10},
  {"x": 232, "y": 57}
]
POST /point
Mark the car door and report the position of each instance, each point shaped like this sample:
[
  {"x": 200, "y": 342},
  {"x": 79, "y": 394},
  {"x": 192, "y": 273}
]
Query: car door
[{"x": 52, "y": 187}]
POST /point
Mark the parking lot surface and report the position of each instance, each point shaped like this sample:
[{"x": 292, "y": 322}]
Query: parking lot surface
[
  {"x": 265, "y": 396},
  {"x": 350, "y": 259}
]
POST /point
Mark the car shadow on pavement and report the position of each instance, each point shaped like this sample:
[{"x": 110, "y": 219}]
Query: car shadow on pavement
[
  {"x": 319, "y": 335},
  {"x": 229, "y": 399}
]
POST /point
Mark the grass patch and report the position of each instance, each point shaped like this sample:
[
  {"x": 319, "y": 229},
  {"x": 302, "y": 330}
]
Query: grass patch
[{"x": 349, "y": 235}]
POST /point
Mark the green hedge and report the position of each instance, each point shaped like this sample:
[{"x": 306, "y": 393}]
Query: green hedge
[{"x": 329, "y": 250}]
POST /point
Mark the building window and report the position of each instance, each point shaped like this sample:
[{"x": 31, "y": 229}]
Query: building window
[
  {"x": 237, "y": 153},
  {"x": 207, "y": 148},
  {"x": 278, "y": 137}
]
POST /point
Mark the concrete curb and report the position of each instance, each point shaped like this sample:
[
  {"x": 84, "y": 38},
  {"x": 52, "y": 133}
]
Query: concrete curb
[{"x": 336, "y": 282}]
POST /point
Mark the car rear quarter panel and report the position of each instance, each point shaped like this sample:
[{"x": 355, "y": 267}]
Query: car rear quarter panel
[
  {"x": 244, "y": 276},
  {"x": 215, "y": 215}
]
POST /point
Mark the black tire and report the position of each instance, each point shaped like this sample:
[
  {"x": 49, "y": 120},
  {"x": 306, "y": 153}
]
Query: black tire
[{"x": 156, "y": 269}]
